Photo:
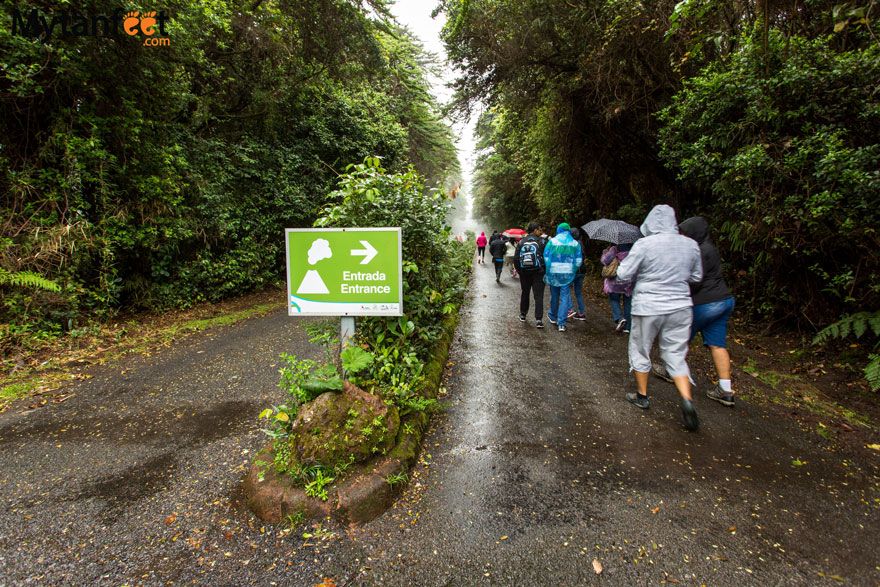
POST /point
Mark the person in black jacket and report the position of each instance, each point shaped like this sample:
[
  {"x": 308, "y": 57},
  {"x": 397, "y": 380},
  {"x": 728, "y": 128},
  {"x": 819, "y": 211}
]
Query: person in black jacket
[
  {"x": 497, "y": 249},
  {"x": 713, "y": 305},
  {"x": 529, "y": 262}
]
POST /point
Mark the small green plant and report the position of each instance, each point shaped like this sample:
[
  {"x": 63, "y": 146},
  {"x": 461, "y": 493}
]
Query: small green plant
[
  {"x": 408, "y": 429},
  {"x": 317, "y": 487},
  {"x": 397, "y": 478},
  {"x": 295, "y": 519},
  {"x": 280, "y": 419}
]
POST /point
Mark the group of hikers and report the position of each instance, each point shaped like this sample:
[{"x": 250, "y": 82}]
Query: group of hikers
[{"x": 667, "y": 286}]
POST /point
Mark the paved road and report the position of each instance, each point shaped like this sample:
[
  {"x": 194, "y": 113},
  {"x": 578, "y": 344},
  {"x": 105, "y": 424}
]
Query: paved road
[{"x": 537, "y": 468}]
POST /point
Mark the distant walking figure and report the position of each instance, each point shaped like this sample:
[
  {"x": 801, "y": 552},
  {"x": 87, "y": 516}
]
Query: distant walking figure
[
  {"x": 618, "y": 292},
  {"x": 662, "y": 264},
  {"x": 562, "y": 257},
  {"x": 529, "y": 262},
  {"x": 578, "y": 283},
  {"x": 713, "y": 305},
  {"x": 497, "y": 249},
  {"x": 481, "y": 248}
]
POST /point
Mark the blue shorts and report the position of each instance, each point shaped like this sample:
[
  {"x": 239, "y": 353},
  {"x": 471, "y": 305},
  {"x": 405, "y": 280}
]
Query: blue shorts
[{"x": 710, "y": 320}]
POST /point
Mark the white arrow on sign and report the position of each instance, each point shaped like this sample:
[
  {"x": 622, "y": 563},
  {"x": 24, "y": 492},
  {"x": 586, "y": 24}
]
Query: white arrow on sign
[{"x": 368, "y": 252}]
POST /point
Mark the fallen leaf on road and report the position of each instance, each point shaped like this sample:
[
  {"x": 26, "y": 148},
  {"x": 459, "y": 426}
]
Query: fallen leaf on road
[
  {"x": 798, "y": 463},
  {"x": 170, "y": 519},
  {"x": 655, "y": 510},
  {"x": 597, "y": 566},
  {"x": 503, "y": 537},
  {"x": 326, "y": 582},
  {"x": 732, "y": 529},
  {"x": 873, "y": 446}
]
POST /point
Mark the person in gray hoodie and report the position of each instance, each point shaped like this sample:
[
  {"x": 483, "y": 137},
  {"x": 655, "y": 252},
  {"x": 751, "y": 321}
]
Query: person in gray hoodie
[{"x": 662, "y": 265}]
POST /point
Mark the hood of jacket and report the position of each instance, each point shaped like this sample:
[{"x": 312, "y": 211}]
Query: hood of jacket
[
  {"x": 696, "y": 228},
  {"x": 660, "y": 220}
]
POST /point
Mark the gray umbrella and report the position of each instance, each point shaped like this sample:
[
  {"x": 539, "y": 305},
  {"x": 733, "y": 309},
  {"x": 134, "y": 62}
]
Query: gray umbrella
[{"x": 613, "y": 231}]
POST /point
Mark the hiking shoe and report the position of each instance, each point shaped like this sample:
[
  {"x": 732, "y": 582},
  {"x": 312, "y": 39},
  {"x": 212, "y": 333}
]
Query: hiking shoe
[
  {"x": 551, "y": 320},
  {"x": 725, "y": 398},
  {"x": 539, "y": 324},
  {"x": 497, "y": 279},
  {"x": 638, "y": 400},
  {"x": 572, "y": 313},
  {"x": 620, "y": 324},
  {"x": 522, "y": 317},
  {"x": 659, "y": 370},
  {"x": 626, "y": 330},
  {"x": 689, "y": 415},
  {"x": 581, "y": 317},
  {"x": 562, "y": 329}
]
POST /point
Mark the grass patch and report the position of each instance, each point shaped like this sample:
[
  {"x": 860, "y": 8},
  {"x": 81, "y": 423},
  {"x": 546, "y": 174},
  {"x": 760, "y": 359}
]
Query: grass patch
[
  {"x": 59, "y": 361},
  {"x": 226, "y": 320},
  {"x": 14, "y": 391},
  {"x": 793, "y": 391}
]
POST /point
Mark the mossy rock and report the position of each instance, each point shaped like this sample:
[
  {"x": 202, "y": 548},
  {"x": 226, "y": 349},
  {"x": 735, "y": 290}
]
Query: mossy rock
[{"x": 336, "y": 427}]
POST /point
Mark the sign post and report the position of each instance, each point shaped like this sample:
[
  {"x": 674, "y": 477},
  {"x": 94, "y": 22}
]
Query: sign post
[{"x": 344, "y": 272}]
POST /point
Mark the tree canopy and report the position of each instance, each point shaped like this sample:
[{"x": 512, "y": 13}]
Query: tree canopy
[
  {"x": 150, "y": 177},
  {"x": 761, "y": 115}
]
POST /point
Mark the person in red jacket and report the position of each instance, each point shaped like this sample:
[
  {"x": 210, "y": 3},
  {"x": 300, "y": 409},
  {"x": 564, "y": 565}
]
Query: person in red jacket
[{"x": 481, "y": 248}]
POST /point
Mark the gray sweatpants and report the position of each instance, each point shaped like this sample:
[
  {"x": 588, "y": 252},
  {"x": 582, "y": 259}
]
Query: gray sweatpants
[{"x": 674, "y": 332}]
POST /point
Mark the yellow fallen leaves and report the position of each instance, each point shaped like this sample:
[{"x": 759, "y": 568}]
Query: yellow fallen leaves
[
  {"x": 873, "y": 446},
  {"x": 597, "y": 566}
]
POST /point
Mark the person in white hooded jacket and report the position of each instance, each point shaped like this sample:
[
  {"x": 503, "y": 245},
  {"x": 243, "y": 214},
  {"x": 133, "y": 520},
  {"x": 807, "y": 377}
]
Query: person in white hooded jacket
[{"x": 662, "y": 264}]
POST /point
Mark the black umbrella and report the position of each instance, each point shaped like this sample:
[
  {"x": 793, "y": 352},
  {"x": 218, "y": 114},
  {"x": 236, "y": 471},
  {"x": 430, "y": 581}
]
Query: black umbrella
[{"x": 617, "y": 232}]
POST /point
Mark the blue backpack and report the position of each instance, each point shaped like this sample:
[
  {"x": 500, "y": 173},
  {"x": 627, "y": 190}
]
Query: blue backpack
[{"x": 530, "y": 257}]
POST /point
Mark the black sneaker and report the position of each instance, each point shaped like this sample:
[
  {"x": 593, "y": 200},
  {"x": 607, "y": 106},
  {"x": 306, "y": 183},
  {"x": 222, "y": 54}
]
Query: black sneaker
[
  {"x": 638, "y": 400},
  {"x": 689, "y": 415},
  {"x": 522, "y": 317},
  {"x": 552, "y": 321},
  {"x": 539, "y": 324},
  {"x": 620, "y": 324},
  {"x": 725, "y": 398},
  {"x": 581, "y": 317}
]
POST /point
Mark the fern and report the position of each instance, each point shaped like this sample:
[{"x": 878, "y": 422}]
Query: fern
[
  {"x": 27, "y": 279},
  {"x": 872, "y": 372},
  {"x": 855, "y": 324}
]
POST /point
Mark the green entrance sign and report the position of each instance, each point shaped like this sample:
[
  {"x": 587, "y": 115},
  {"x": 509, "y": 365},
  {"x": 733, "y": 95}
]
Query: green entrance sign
[{"x": 344, "y": 272}]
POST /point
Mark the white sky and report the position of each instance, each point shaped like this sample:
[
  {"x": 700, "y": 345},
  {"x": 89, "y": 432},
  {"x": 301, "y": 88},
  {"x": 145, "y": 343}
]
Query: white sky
[{"x": 416, "y": 16}]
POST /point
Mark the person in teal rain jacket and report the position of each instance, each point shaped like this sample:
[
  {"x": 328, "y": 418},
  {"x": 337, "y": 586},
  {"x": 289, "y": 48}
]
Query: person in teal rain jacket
[{"x": 562, "y": 258}]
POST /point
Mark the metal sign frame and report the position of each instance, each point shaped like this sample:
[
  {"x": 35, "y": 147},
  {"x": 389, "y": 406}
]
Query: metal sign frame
[{"x": 365, "y": 312}]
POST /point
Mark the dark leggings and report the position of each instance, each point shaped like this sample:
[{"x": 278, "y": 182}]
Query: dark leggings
[
  {"x": 499, "y": 266},
  {"x": 481, "y": 252},
  {"x": 531, "y": 283}
]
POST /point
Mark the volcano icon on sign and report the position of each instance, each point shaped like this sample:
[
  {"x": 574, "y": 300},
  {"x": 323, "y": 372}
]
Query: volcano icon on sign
[{"x": 312, "y": 284}]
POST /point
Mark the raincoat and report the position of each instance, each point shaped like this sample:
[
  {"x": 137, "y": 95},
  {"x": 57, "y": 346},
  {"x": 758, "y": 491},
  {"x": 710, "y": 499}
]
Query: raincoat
[
  {"x": 610, "y": 284},
  {"x": 562, "y": 258},
  {"x": 662, "y": 264},
  {"x": 481, "y": 240}
]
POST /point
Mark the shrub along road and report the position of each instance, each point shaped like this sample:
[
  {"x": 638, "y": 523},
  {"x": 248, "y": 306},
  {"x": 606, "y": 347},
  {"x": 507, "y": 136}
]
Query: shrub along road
[{"x": 538, "y": 468}]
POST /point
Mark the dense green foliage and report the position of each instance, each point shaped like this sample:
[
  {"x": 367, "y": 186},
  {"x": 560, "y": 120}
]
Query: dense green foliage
[
  {"x": 390, "y": 353},
  {"x": 151, "y": 177},
  {"x": 762, "y": 116},
  {"x": 435, "y": 269}
]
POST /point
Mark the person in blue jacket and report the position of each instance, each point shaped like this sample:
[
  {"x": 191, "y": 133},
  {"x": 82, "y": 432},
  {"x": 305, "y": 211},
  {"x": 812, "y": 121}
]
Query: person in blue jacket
[{"x": 562, "y": 258}]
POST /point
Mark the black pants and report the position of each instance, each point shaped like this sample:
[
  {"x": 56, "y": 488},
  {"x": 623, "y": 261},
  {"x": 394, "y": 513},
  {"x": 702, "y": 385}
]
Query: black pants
[
  {"x": 481, "y": 252},
  {"x": 531, "y": 282},
  {"x": 499, "y": 266}
]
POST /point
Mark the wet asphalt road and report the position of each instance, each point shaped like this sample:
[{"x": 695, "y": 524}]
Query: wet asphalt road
[{"x": 537, "y": 468}]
